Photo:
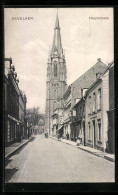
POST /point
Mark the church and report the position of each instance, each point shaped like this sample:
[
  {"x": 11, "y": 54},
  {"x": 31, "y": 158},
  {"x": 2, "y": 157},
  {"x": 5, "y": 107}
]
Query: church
[{"x": 56, "y": 83}]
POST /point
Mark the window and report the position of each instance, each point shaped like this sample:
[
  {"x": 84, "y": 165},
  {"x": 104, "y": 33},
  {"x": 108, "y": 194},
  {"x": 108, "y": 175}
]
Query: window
[
  {"x": 99, "y": 129},
  {"x": 89, "y": 131},
  {"x": 94, "y": 102},
  {"x": 99, "y": 98},
  {"x": 89, "y": 104},
  {"x": 55, "y": 69}
]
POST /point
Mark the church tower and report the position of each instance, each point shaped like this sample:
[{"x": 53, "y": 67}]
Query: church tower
[{"x": 56, "y": 77}]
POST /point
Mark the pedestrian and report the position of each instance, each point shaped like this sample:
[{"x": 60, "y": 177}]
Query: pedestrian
[
  {"x": 28, "y": 132},
  {"x": 58, "y": 136},
  {"x": 67, "y": 135}
]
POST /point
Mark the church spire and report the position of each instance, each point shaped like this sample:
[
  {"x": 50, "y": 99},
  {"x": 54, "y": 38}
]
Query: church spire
[
  {"x": 57, "y": 22},
  {"x": 57, "y": 46}
]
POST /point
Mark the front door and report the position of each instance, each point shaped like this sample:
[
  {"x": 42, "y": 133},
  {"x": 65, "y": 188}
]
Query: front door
[{"x": 94, "y": 135}]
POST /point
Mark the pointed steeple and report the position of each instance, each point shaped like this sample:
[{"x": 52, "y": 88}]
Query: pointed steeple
[
  {"x": 57, "y": 22},
  {"x": 57, "y": 46}
]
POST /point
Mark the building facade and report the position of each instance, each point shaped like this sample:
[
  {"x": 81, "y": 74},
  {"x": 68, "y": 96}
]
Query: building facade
[
  {"x": 78, "y": 121},
  {"x": 97, "y": 105},
  {"x": 56, "y": 77},
  {"x": 22, "y": 112},
  {"x": 78, "y": 89},
  {"x": 11, "y": 104}
]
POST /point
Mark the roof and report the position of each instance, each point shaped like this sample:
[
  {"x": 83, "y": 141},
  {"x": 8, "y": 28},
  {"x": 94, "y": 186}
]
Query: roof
[
  {"x": 100, "y": 78},
  {"x": 78, "y": 102},
  {"x": 57, "y": 45},
  {"x": 67, "y": 91},
  {"x": 99, "y": 62}
]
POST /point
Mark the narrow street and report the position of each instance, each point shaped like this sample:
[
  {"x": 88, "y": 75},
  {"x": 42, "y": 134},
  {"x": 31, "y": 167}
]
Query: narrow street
[{"x": 49, "y": 160}]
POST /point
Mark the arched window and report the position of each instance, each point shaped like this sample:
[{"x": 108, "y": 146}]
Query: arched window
[{"x": 55, "y": 70}]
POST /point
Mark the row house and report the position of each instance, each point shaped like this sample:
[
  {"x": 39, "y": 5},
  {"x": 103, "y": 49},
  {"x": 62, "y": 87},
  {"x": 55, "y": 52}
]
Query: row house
[
  {"x": 88, "y": 109},
  {"x": 11, "y": 103},
  {"x": 97, "y": 105},
  {"x": 78, "y": 89}
]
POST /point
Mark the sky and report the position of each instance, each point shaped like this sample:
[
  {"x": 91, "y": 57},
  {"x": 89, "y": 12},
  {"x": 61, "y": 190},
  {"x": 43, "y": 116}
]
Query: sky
[{"x": 85, "y": 38}]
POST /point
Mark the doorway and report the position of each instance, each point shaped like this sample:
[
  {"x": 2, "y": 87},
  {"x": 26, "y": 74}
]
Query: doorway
[{"x": 94, "y": 135}]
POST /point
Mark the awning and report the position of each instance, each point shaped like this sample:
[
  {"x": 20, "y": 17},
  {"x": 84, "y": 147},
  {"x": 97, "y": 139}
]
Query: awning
[
  {"x": 13, "y": 118},
  {"x": 59, "y": 128}
]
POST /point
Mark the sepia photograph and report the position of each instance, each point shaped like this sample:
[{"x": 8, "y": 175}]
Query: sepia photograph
[{"x": 59, "y": 124}]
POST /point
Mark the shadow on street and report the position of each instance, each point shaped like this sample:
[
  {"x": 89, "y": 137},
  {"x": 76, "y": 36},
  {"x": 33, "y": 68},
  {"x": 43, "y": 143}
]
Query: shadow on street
[{"x": 9, "y": 174}]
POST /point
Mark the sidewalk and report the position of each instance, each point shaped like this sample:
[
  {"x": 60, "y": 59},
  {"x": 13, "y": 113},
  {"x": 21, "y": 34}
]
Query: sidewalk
[
  {"x": 107, "y": 156},
  {"x": 10, "y": 150}
]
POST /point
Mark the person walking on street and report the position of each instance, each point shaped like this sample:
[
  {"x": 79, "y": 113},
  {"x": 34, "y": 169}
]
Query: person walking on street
[{"x": 67, "y": 135}]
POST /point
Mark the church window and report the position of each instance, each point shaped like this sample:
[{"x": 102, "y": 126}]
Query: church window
[{"x": 55, "y": 70}]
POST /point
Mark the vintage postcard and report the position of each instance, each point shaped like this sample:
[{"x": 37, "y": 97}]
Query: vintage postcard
[{"x": 59, "y": 95}]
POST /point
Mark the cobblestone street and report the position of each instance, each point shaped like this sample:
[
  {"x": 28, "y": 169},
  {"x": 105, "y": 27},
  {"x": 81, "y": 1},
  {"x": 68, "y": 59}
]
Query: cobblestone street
[{"x": 48, "y": 160}]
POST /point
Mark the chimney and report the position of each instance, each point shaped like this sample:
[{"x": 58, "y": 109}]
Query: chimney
[{"x": 99, "y": 59}]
